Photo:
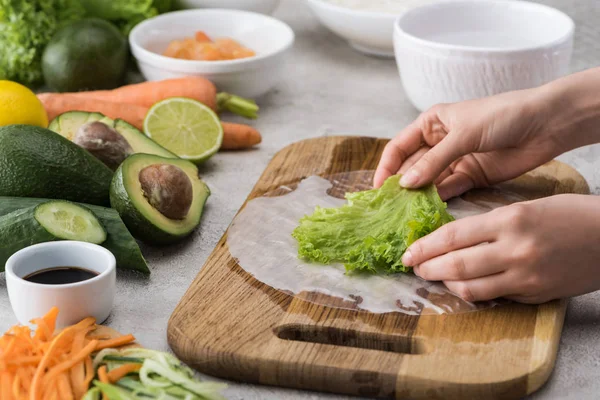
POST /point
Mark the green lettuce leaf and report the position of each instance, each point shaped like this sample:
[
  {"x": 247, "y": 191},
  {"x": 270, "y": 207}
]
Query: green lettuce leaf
[
  {"x": 26, "y": 26},
  {"x": 371, "y": 232}
]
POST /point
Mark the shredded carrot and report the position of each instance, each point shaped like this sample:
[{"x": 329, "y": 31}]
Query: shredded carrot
[
  {"x": 54, "y": 372},
  {"x": 49, "y": 365},
  {"x": 116, "y": 374},
  {"x": 103, "y": 376},
  {"x": 117, "y": 342},
  {"x": 64, "y": 387},
  {"x": 89, "y": 372}
]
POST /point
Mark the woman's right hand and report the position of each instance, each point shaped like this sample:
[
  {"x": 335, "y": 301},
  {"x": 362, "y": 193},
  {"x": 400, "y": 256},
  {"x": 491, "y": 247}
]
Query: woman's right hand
[{"x": 474, "y": 143}]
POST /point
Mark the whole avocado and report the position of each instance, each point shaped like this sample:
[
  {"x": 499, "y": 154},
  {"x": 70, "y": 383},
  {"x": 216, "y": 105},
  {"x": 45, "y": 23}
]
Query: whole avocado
[
  {"x": 90, "y": 54},
  {"x": 36, "y": 162}
]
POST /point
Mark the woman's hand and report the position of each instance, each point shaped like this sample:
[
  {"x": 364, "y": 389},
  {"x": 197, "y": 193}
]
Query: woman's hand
[
  {"x": 471, "y": 144},
  {"x": 531, "y": 252},
  {"x": 482, "y": 142}
]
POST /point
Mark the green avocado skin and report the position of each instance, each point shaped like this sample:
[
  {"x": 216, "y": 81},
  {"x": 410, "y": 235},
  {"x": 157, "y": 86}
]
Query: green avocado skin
[
  {"x": 36, "y": 162},
  {"x": 141, "y": 227},
  {"x": 90, "y": 54}
]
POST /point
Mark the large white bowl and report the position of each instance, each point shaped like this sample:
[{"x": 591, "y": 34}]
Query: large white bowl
[
  {"x": 259, "y": 6},
  {"x": 270, "y": 38},
  {"x": 460, "y": 50}
]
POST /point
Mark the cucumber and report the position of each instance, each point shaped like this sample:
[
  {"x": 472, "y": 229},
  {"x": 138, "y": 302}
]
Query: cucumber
[
  {"x": 69, "y": 221},
  {"x": 118, "y": 241},
  {"x": 46, "y": 222}
]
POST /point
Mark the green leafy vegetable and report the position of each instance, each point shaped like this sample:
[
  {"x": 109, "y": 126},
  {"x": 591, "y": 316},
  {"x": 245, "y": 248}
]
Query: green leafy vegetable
[
  {"x": 126, "y": 13},
  {"x": 26, "y": 26},
  {"x": 373, "y": 229}
]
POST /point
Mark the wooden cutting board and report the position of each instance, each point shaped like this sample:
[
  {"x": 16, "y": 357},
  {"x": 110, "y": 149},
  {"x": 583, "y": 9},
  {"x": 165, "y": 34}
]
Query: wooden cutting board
[{"x": 230, "y": 325}]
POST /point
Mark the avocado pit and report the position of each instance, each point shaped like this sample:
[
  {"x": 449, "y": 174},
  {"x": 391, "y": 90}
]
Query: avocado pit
[
  {"x": 105, "y": 143},
  {"x": 168, "y": 189}
]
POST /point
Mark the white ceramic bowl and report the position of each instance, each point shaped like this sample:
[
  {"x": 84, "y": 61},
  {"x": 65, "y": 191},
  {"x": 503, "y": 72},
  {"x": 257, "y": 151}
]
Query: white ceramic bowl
[
  {"x": 90, "y": 298},
  {"x": 259, "y": 6},
  {"x": 251, "y": 77},
  {"x": 369, "y": 32},
  {"x": 460, "y": 50}
]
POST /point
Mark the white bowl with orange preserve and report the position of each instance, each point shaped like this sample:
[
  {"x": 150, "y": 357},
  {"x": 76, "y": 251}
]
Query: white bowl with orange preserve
[{"x": 241, "y": 52}]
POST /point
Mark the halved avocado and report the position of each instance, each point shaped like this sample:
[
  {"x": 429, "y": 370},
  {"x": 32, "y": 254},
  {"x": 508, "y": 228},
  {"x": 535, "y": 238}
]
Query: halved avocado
[
  {"x": 139, "y": 142},
  {"x": 70, "y": 123},
  {"x": 160, "y": 199}
]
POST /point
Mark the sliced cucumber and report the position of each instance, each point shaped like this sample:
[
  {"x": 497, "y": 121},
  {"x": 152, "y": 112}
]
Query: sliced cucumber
[
  {"x": 119, "y": 240},
  {"x": 22, "y": 228},
  {"x": 69, "y": 221}
]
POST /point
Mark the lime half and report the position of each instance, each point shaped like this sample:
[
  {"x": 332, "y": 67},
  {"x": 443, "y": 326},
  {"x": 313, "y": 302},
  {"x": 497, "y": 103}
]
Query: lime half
[{"x": 186, "y": 127}]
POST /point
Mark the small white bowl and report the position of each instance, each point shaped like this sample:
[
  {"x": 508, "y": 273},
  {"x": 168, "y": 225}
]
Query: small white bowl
[
  {"x": 259, "y": 6},
  {"x": 90, "y": 298},
  {"x": 461, "y": 50},
  {"x": 251, "y": 77},
  {"x": 369, "y": 32}
]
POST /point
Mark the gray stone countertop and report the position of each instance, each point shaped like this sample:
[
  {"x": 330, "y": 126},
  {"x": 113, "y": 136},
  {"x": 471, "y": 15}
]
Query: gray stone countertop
[{"x": 329, "y": 90}]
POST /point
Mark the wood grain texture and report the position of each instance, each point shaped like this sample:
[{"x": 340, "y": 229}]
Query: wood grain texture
[{"x": 230, "y": 325}]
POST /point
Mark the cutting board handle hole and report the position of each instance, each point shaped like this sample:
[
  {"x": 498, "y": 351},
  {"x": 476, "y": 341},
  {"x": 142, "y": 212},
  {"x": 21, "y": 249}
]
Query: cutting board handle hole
[{"x": 350, "y": 338}]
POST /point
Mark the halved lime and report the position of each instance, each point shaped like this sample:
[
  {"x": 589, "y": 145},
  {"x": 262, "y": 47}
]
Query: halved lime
[{"x": 185, "y": 127}]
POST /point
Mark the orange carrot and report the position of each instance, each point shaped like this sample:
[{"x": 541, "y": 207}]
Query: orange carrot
[
  {"x": 148, "y": 93},
  {"x": 116, "y": 342},
  {"x": 103, "y": 376},
  {"x": 64, "y": 387},
  {"x": 239, "y": 136},
  {"x": 116, "y": 374},
  {"x": 236, "y": 136},
  {"x": 89, "y": 372},
  {"x": 56, "y": 104},
  {"x": 55, "y": 371},
  {"x": 44, "y": 365}
]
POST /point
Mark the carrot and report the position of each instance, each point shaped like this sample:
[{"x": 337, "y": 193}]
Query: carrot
[
  {"x": 47, "y": 323},
  {"x": 116, "y": 342},
  {"x": 36, "y": 384},
  {"x": 116, "y": 374},
  {"x": 55, "y": 371},
  {"x": 103, "y": 376},
  {"x": 64, "y": 387},
  {"x": 236, "y": 136},
  {"x": 6, "y": 382},
  {"x": 149, "y": 93},
  {"x": 239, "y": 136},
  {"x": 77, "y": 373},
  {"x": 89, "y": 372},
  {"x": 56, "y": 104}
]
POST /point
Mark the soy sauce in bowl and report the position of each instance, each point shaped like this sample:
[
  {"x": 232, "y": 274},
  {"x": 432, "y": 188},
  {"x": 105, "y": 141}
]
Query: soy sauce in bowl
[{"x": 60, "y": 275}]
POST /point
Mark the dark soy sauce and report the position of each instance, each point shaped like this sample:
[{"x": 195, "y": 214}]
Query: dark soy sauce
[{"x": 60, "y": 275}]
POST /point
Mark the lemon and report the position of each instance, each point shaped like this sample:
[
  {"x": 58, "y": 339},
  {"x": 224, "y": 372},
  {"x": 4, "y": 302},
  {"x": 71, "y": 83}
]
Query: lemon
[
  {"x": 19, "y": 105},
  {"x": 185, "y": 127}
]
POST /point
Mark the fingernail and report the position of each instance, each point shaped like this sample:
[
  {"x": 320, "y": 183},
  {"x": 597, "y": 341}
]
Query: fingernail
[
  {"x": 407, "y": 259},
  {"x": 416, "y": 270},
  {"x": 410, "y": 178}
]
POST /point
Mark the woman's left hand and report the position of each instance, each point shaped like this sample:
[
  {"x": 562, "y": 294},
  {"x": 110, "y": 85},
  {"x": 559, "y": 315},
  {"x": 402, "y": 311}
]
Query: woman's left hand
[{"x": 530, "y": 252}]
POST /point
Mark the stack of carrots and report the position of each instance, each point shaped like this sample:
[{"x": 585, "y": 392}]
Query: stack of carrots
[
  {"x": 132, "y": 102},
  {"x": 54, "y": 365}
]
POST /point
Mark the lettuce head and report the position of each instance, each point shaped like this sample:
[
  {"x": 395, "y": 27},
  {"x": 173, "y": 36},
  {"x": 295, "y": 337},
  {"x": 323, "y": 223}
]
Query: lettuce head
[{"x": 371, "y": 232}]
